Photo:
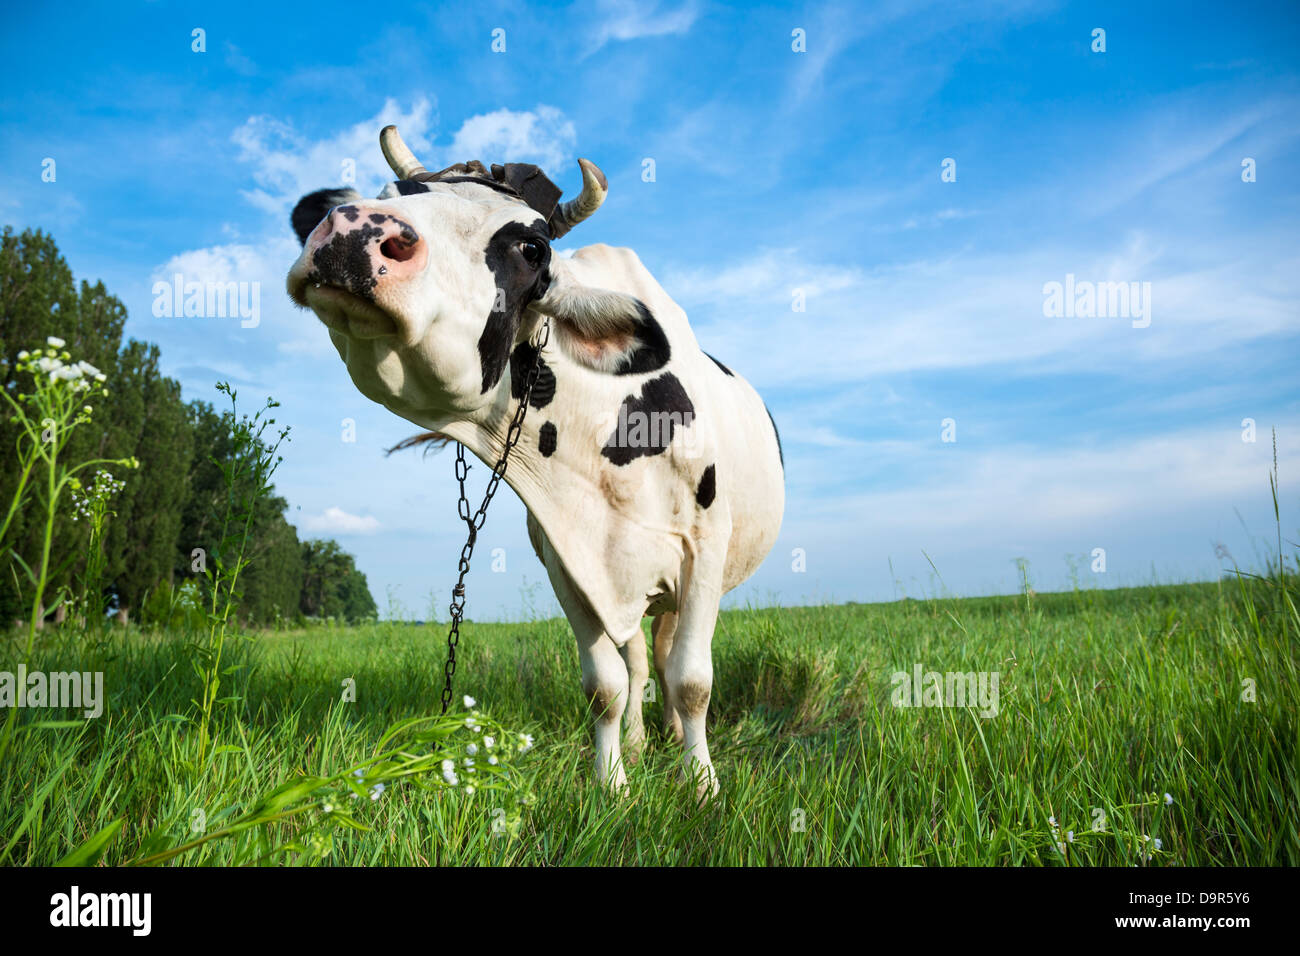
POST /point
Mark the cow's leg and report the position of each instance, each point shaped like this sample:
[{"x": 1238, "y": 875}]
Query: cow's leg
[
  {"x": 604, "y": 675},
  {"x": 662, "y": 628},
  {"x": 604, "y": 681},
  {"x": 690, "y": 664},
  {"x": 638, "y": 672}
]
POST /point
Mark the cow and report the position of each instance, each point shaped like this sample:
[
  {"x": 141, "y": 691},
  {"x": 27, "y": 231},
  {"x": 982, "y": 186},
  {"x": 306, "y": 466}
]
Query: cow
[{"x": 652, "y": 474}]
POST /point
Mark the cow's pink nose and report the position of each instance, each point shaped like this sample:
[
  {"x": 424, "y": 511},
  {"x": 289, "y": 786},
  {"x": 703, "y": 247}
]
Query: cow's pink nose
[{"x": 361, "y": 249}]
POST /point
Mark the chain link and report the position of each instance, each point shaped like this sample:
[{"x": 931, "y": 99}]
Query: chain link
[{"x": 474, "y": 522}]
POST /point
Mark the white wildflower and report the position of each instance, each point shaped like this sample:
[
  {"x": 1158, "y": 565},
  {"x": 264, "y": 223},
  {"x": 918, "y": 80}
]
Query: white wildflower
[
  {"x": 470, "y": 701},
  {"x": 471, "y": 749},
  {"x": 488, "y": 743},
  {"x": 525, "y": 742},
  {"x": 376, "y": 790},
  {"x": 57, "y": 342},
  {"x": 1169, "y": 800}
]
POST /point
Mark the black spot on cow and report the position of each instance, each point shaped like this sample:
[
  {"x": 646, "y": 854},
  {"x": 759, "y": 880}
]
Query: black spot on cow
[
  {"x": 344, "y": 262},
  {"x": 377, "y": 217},
  {"x": 546, "y": 439},
  {"x": 313, "y": 207},
  {"x": 652, "y": 351},
  {"x": 708, "y": 488},
  {"x": 721, "y": 366},
  {"x": 350, "y": 213},
  {"x": 407, "y": 188},
  {"x": 517, "y": 284},
  {"x": 646, "y": 424},
  {"x": 779, "y": 452},
  {"x": 521, "y": 363}
]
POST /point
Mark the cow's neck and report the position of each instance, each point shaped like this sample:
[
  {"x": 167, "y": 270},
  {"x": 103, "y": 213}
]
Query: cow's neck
[
  {"x": 486, "y": 439},
  {"x": 557, "y": 490}
]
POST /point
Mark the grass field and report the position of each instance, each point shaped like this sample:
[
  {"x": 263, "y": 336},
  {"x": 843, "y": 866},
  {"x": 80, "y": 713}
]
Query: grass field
[{"x": 1108, "y": 701}]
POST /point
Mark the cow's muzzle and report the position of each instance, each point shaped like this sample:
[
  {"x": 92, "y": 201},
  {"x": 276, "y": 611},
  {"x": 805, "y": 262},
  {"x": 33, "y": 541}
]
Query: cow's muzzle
[{"x": 357, "y": 257}]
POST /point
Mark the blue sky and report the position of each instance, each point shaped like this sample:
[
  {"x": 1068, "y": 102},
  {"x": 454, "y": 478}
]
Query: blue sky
[{"x": 775, "y": 171}]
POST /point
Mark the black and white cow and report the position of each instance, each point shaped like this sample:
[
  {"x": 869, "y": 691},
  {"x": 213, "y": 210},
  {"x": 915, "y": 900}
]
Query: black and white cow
[{"x": 652, "y": 473}]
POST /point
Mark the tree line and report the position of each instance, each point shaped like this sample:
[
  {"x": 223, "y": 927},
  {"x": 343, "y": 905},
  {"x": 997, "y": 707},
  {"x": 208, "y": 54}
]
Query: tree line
[{"x": 166, "y": 515}]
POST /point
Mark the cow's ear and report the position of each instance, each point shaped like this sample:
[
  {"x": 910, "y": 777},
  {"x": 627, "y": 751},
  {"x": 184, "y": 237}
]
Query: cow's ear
[
  {"x": 311, "y": 209},
  {"x": 604, "y": 330}
]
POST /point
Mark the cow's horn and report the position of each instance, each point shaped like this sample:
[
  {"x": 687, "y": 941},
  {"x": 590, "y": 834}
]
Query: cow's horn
[
  {"x": 569, "y": 214},
  {"x": 398, "y": 154}
]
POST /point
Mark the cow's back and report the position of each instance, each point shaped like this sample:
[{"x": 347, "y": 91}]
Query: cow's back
[{"x": 738, "y": 432}]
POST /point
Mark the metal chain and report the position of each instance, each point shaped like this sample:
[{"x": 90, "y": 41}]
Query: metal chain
[{"x": 475, "y": 521}]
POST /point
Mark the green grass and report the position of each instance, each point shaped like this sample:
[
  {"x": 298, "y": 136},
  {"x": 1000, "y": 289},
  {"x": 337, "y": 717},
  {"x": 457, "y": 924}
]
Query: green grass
[{"x": 1107, "y": 697}]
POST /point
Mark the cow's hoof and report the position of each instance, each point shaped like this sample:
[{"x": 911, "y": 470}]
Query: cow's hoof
[
  {"x": 707, "y": 790},
  {"x": 617, "y": 784},
  {"x": 633, "y": 746},
  {"x": 704, "y": 778}
]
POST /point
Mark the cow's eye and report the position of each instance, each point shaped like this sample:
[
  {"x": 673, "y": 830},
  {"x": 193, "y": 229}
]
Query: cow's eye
[{"x": 531, "y": 250}]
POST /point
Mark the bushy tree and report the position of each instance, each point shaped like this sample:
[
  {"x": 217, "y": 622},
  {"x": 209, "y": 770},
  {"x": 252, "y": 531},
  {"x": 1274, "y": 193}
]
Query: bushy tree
[
  {"x": 174, "y": 502},
  {"x": 332, "y": 585},
  {"x": 150, "y": 423},
  {"x": 38, "y": 299}
]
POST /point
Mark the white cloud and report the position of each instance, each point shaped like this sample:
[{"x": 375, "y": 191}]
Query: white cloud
[
  {"x": 972, "y": 310},
  {"x": 823, "y": 436},
  {"x": 264, "y": 264},
  {"x": 334, "y": 520},
  {"x": 239, "y": 62},
  {"x": 286, "y": 165},
  {"x": 973, "y": 510},
  {"x": 544, "y": 137},
  {"x": 1033, "y": 492},
  {"x": 237, "y": 262},
  {"x": 632, "y": 20}
]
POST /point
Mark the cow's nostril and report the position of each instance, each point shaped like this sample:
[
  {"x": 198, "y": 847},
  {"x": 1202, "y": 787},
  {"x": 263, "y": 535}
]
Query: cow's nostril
[{"x": 397, "y": 249}]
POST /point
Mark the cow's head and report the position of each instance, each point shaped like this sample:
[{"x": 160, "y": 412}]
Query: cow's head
[{"x": 428, "y": 288}]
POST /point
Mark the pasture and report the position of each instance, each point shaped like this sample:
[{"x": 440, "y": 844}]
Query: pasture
[{"x": 1109, "y": 700}]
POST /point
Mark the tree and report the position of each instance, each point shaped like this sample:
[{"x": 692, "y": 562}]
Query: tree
[
  {"x": 273, "y": 581},
  {"x": 38, "y": 298},
  {"x": 175, "y": 501},
  {"x": 150, "y": 423},
  {"x": 332, "y": 586}
]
